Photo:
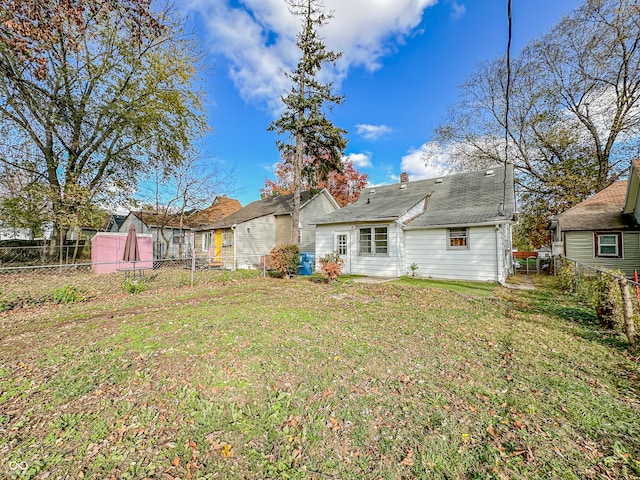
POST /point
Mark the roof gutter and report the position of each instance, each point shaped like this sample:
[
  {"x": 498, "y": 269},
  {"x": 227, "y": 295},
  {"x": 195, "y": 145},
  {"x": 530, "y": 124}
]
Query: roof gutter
[
  {"x": 363, "y": 221},
  {"x": 458, "y": 225}
]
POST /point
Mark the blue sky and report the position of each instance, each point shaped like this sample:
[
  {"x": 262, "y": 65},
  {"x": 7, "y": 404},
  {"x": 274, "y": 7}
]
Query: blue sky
[{"x": 403, "y": 61}]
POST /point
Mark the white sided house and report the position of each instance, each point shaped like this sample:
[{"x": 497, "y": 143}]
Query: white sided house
[{"x": 453, "y": 227}]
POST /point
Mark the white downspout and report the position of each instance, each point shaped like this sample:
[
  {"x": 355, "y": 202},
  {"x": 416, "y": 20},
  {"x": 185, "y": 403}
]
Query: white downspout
[
  {"x": 498, "y": 257},
  {"x": 400, "y": 247}
]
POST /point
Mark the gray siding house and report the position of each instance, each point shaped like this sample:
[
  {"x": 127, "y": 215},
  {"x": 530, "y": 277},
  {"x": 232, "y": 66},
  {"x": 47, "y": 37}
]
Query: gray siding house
[
  {"x": 170, "y": 239},
  {"x": 452, "y": 227},
  {"x": 603, "y": 231}
]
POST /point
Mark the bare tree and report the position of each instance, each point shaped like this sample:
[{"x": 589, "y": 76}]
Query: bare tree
[
  {"x": 175, "y": 193},
  {"x": 574, "y": 108}
]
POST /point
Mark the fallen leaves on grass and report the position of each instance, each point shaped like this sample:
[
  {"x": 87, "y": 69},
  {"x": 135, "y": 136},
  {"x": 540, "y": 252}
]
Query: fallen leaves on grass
[
  {"x": 226, "y": 450},
  {"x": 408, "y": 460},
  {"x": 333, "y": 425}
]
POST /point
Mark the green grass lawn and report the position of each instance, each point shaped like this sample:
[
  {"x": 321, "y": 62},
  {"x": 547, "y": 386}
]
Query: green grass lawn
[{"x": 268, "y": 378}]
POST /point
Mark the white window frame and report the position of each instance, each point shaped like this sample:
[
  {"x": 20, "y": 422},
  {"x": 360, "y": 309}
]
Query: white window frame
[
  {"x": 336, "y": 244},
  {"x": 617, "y": 236},
  {"x": 207, "y": 241},
  {"x": 457, "y": 234},
  {"x": 375, "y": 246}
]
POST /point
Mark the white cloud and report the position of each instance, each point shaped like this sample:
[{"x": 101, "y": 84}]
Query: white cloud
[
  {"x": 359, "y": 160},
  {"x": 258, "y": 37},
  {"x": 457, "y": 10},
  {"x": 428, "y": 161},
  {"x": 372, "y": 132}
]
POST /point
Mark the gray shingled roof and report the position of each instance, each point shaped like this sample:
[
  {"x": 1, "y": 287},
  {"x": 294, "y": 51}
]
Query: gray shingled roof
[
  {"x": 280, "y": 205},
  {"x": 462, "y": 199}
]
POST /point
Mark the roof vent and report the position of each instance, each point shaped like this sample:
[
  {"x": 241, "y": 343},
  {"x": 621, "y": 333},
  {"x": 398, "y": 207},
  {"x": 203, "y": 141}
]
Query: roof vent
[
  {"x": 489, "y": 173},
  {"x": 439, "y": 180},
  {"x": 372, "y": 191},
  {"x": 403, "y": 186}
]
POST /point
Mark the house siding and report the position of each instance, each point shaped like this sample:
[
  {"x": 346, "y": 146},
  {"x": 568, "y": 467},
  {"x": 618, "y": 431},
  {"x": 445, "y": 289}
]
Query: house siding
[
  {"x": 580, "y": 247},
  {"x": 313, "y": 211},
  {"x": 482, "y": 261},
  {"x": 283, "y": 229},
  {"x": 254, "y": 239},
  {"x": 375, "y": 265}
]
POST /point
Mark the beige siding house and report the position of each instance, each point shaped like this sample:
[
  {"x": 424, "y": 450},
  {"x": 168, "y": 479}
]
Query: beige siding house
[
  {"x": 254, "y": 230},
  {"x": 452, "y": 227},
  {"x": 603, "y": 231},
  {"x": 211, "y": 242}
]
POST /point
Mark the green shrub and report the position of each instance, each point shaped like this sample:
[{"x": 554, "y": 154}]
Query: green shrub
[
  {"x": 68, "y": 294},
  {"x": 284, "y": 259},
  {"x": 608, "y": 300},
  {"x": 566, "y": 276},
  {"x": 134, "y": 285}
]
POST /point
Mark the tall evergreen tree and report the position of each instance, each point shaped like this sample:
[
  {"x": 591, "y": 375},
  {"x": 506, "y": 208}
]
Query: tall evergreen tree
[{"x": 309, "y": 132}]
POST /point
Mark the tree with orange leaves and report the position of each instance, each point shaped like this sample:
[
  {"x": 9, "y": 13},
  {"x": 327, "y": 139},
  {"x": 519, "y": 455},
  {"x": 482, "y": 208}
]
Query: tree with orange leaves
[{"x": 345, "y": 186}]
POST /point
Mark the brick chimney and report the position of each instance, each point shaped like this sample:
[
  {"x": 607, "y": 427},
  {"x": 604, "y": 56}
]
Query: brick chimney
[{"x": 404, "y": 177}]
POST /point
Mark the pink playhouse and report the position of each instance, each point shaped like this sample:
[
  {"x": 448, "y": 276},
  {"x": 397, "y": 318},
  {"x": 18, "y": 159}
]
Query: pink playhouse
[{"x": 107, "y": 250}]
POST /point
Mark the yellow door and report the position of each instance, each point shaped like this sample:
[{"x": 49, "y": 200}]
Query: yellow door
[{"x": 218, "y": 248}]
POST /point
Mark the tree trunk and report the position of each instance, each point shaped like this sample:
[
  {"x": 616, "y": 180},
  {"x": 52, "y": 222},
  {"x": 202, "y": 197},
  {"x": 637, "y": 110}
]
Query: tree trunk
[
  {"x": 62, "y": 233},
  {"x": 629, "y": 317},
  {"x": 75, "y": 249},
  {"x": 297, "y": 179}
]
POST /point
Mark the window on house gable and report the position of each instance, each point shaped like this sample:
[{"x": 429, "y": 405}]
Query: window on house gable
[
  {"x": 608, "y": 245},
  {"x": 373, "y": 241},
  {"x": 457, "y": 238}
]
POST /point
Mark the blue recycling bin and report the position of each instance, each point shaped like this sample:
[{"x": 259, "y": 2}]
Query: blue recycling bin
[{"x": 307, "y": 262}]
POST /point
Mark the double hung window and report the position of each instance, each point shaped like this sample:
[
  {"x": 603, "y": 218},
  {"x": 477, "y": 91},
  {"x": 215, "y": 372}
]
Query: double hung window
[{"x": 374, "y": 241}]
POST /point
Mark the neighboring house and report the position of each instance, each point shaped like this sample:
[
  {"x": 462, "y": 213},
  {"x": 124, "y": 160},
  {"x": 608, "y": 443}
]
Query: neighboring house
[
  {"x": 452, "y": 227},
  {"x": 113, "y": 222},
  {"x": 11, "y": 233},
  {"x": 207, "y": 241},
  {"x": 8, "y": 232},
  {"x": 249, "y": 234},
  {"x": 170, "y": 238},
  {"x": 602, "y": 231}
]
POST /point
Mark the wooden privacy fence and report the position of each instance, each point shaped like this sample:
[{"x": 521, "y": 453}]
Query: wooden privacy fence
[{"x": 597, "y": 285}]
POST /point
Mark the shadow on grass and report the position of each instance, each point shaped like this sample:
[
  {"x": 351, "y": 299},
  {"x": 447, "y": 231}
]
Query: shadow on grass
[
  {"x": 479, "y": 289},
  {"x": 548, "y": 300}
]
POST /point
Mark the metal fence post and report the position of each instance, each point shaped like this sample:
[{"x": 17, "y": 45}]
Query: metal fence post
[{"x": 193, "y": 265}]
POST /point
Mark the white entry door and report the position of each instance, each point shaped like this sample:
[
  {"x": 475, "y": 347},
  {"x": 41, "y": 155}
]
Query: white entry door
[{"x": 341, "y": 247}]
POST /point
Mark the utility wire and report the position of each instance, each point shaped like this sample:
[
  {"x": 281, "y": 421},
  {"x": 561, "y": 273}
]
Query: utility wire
[{"x": 506, "y": 109}]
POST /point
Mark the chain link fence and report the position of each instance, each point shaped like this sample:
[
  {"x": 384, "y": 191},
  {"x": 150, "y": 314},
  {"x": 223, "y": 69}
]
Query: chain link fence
[
  {"x": 24, "y": 286},
  {"x": 615, "y": 298},
  {"x": 44, "y": 254}
]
